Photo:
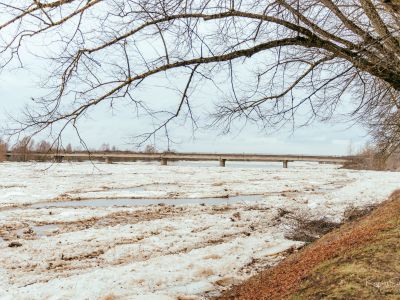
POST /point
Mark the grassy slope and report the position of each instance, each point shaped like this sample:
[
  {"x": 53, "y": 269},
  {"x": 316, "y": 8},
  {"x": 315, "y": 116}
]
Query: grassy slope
[
  {"x": 360, "y": 260},
  {"x": 369, "y": 271}
]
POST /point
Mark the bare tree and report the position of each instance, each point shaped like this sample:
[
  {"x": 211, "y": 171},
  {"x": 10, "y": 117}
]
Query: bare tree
[
  {"x": 3, "y": 150},
  {"x": 150, "y": 149},
  {"x": 69, "y": 148},
  {"x": 23, "y": 148},
  {"x": 43, "y": 147},
  {"x": 269, "y": 59}
]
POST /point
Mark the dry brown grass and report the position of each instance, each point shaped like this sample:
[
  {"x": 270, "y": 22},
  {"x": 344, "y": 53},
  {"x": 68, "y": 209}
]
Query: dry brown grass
[
  {"x": 369, "y": 271},
  {"x": 286, "y": 278}
]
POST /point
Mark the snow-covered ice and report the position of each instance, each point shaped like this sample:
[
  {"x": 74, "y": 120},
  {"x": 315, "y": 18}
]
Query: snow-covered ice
[{"x": 160, "y": 251}]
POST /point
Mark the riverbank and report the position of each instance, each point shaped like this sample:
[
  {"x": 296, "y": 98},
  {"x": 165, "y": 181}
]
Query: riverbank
[{"x": 359, "y": 260}]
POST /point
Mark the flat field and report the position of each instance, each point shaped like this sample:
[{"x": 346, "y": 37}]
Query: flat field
[{"x": 143, "y": 231}]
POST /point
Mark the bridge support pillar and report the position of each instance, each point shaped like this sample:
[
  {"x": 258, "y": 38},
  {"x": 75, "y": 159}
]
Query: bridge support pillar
[
  {"x": 285, "y": 164},
  {"x": 108, "y": 160},
  {"x": 164, "y": 161},
  {"x": 222, "y": 162}
]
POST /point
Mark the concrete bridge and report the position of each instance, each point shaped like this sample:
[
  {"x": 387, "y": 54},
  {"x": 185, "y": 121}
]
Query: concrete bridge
[{"x": 222, "y": 158}]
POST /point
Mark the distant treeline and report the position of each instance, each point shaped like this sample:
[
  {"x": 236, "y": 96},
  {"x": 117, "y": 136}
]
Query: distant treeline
[{"x": 27, "y": 146}]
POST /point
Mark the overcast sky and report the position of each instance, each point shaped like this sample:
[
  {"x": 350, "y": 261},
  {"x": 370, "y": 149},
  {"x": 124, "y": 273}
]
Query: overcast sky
[{"x": 117, "y": 128}]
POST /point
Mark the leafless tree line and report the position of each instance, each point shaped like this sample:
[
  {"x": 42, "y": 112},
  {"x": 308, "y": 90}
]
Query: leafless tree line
[
  {"x": 270, "y": 61},
  {"x": 26, "y": 146},
  {"x": 371, "y": 159}
]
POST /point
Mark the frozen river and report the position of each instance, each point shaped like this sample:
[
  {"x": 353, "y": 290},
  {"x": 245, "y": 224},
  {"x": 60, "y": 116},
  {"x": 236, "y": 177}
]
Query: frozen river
[{"x": 143, "y": 231}]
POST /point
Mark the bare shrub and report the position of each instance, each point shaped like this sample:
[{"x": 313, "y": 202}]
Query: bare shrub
[
  {"x": 150, "y": 149},
  {"x": 68, "y": 149},
  {"x": 371, "y": 158},
  {"x": 22, "y": 149},
  {"x": 43, "y": 147},
  {"x": 393, "y": 162},
  {"x": 3, "y": 151}
]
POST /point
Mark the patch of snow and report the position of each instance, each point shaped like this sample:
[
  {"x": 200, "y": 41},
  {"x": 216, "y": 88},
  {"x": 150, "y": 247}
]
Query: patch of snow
[{"x": 160, "y": 251}]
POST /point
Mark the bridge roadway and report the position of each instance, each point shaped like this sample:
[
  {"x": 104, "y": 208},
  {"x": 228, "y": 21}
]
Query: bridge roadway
[{"x": 165, "y": 157}]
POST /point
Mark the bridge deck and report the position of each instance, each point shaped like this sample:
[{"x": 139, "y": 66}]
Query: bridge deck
[{"x": 164, "y": 157}]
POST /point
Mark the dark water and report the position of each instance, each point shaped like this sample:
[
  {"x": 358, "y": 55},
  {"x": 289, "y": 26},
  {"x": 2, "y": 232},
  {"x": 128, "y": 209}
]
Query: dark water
[{"x": 141, "y": 202}]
